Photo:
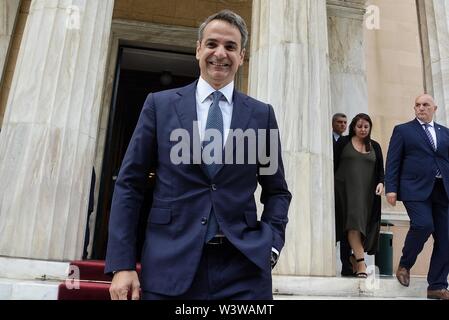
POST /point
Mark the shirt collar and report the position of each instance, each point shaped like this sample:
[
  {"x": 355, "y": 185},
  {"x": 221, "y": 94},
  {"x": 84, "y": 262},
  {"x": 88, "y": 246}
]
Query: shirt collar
[
  {"x": 204, "y": 90},
  {"x": 336, "y": 135},
  {"x": 422, "y": 123}
]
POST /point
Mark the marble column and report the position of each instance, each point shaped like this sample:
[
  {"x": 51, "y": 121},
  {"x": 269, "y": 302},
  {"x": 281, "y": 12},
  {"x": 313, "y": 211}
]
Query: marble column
[
  {"x": 8, "y": 13},
  {"x": 349, "y": 93},
  {"x": 289, "y": 69},
  {"x": 48, "y": 138},
  {"x": 434, "y": 29}
]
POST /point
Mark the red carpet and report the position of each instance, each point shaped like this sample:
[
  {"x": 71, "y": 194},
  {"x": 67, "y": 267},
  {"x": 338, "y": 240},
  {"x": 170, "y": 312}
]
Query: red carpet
[{"x": 93, "y": 284}]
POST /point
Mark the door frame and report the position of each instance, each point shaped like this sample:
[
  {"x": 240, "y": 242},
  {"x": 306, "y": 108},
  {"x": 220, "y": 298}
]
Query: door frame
[{"x": 139, "y": 34}]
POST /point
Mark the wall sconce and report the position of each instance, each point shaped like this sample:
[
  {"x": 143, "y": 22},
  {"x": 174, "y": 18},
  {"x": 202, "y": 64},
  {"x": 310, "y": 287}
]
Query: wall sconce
[{"x": 166, "y": 78}]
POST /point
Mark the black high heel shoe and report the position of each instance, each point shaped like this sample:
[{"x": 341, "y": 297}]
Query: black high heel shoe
[
  {"x": 361, "y": 274},
  {"x": 354, "y": 263}
]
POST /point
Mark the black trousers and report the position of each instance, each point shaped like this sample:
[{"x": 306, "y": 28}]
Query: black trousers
[{"x": 224, "y": 273}]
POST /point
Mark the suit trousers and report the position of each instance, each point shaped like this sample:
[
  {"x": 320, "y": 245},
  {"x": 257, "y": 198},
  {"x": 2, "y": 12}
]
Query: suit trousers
[
  {"x": 427, "y": 218},
  {"x": 224, "y": 273}
]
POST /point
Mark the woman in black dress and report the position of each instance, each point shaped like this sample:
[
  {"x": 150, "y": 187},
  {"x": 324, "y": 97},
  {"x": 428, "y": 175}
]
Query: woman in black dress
[{"x": 359, "y": 178}]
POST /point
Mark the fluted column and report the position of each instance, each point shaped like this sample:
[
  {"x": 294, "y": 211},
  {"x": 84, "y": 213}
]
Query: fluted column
[
  {"x": 47, "y": 142},
  {"x": 8, "y": 14},
  {"x": 349, "y": 93},
  {"x": 289, "y": 69},
  {"x": 434, "y": 28}
]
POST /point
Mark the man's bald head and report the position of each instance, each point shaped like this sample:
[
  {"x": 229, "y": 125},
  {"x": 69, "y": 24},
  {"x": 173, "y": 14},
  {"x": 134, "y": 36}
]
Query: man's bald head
[
  {"x": 426, "y": 96},
  {"x": 425, "y": 107}
]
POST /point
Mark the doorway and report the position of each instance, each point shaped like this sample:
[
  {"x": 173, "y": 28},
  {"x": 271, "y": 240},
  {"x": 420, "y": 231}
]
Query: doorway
[{"x": 139, "y": 71}]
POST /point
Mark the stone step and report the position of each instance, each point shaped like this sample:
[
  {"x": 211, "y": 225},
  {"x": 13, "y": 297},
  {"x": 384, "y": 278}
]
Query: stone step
[
  {"x": 285, "y": 297},
  {"x": 345, "y": 287},
  {"x": 18, "y": 289},
  {"x": 284, "y": 288}
]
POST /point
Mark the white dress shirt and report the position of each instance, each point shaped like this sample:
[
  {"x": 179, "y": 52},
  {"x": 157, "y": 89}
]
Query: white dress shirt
[
  {"x": 336, "y": 135},
  {"x": 204, "y": 101}
]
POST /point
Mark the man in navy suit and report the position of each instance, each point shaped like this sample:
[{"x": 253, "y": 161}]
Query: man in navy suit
[
  {"x": 417, "y": 173},
  {"x": 203, "y": 238}
]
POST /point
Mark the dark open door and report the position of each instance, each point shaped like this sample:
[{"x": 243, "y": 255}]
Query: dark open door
[{"x": 138, "y": 73}]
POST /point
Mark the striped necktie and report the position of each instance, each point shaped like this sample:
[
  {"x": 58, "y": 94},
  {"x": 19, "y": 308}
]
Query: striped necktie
[
  {"x": 214, "y": 121},
  {"x": 432, "y": 143}
]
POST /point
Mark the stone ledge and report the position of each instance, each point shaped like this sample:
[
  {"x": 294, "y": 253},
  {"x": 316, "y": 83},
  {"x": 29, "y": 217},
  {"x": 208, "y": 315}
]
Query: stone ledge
[
  {"x": 13, "y": 289},
  {"x": 284, "y": 297},
  {"x": 284, "y": 288},
  {"x": 28, "y": 269},
  {"x": 374, "y": 287}
]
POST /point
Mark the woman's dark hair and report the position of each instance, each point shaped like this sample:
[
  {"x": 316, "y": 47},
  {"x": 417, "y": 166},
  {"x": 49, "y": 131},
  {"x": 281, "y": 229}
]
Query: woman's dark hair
[{"x": 362, "y": 116}]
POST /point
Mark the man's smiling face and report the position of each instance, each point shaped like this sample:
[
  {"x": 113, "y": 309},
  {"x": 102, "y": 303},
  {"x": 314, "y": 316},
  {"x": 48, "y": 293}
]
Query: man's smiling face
[{"x": 220, "y": 53}]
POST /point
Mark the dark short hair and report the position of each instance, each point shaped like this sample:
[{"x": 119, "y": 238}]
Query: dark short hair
[
  {"x": 230, "y": 17},
  {"x": 338, "y": 115},
  {"x": 362, "y": 116}
]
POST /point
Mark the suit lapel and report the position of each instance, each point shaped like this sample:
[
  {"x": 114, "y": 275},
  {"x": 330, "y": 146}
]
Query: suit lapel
[
  {"x": 241, "y": 114},
  {"x": 186, "y": 111},
  {"x": 437, "y": 128}
]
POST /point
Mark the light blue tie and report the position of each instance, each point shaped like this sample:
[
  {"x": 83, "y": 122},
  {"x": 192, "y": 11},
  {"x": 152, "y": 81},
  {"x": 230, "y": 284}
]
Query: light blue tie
[
  {"x": 432, "y": 143},
  {"x": 214, "y": 121}
]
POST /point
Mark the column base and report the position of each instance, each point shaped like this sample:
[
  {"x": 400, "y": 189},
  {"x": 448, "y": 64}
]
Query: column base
[{"x": 29, "y": 269}]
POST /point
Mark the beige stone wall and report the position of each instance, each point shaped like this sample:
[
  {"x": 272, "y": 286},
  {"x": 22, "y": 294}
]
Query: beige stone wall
[
  {"x": 395, "y": 78},
  {"x": 10, "y": 64},
  {"x": 394, "y": 66},
  {"x": 188, "y": 13}
]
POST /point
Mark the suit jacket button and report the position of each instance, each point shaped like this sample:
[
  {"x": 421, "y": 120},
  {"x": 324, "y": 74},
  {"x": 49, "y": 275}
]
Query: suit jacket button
[
  {"x": 203, "y": 220},
  {"x": 213, "y": 187}
]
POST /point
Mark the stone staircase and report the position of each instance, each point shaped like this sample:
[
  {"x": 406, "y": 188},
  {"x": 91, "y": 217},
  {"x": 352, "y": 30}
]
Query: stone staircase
[{"x": 38, "y": 280}]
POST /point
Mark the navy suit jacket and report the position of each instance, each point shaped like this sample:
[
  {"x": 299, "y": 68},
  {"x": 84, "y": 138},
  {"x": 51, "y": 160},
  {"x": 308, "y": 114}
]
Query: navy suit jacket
[
  {"x": 412, "y": 162},
  {"x": 184, "y": 195}
]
